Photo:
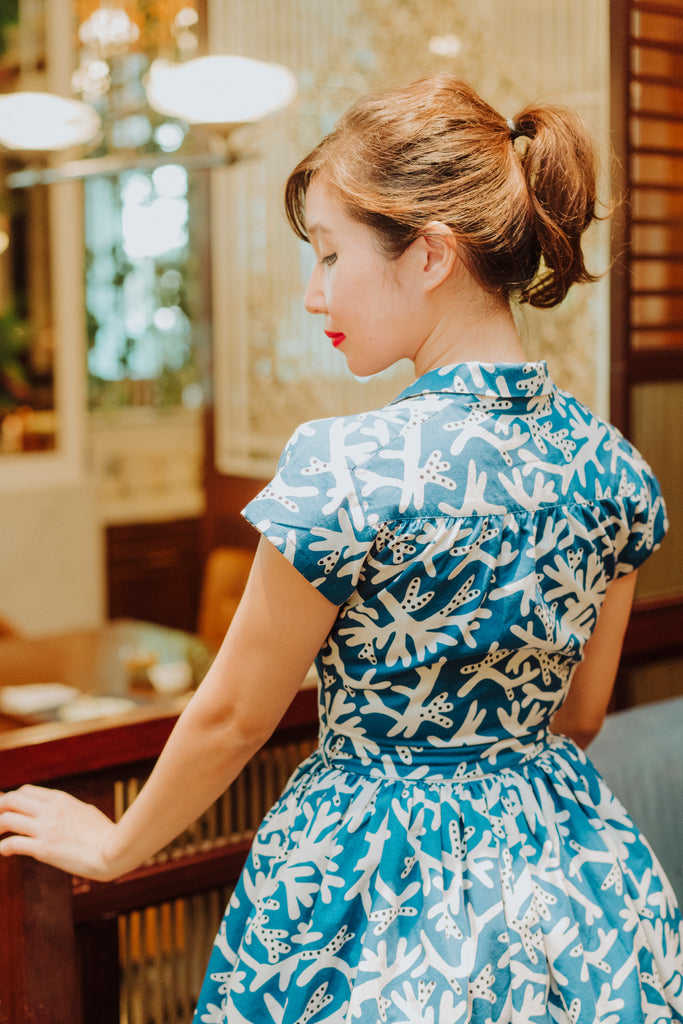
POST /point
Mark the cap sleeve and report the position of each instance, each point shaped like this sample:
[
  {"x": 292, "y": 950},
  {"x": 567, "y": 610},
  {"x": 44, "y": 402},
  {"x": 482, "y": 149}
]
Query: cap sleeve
[
  {"x": 645, "y": 514},
  {"x": 311, "y": 511}
]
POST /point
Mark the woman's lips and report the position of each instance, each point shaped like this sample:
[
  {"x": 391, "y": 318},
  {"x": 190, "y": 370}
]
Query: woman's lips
[{"x": 336, "y": 337}]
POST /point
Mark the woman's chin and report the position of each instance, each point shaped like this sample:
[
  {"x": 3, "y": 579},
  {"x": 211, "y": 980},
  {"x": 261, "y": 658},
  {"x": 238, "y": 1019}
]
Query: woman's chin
[{"x": 364, "y": 369}]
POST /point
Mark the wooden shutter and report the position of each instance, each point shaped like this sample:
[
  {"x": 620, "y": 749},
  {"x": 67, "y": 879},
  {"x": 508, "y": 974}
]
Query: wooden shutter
[{"x": 647, "y": 312}]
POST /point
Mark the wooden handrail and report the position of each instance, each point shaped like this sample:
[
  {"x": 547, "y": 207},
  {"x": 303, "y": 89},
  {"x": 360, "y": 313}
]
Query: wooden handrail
[
  {"x": 159, "y": 883},
  {"x": 57, "y": 930},
  {"x": 47, "y": 753}
]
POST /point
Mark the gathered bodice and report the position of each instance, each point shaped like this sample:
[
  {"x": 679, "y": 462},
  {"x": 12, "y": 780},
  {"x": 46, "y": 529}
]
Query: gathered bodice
[{"x": 468, "y": 532}]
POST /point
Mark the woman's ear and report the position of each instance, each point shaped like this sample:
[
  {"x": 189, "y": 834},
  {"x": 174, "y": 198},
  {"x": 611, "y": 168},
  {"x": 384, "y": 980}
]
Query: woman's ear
[{"x": 437, "y": 254}]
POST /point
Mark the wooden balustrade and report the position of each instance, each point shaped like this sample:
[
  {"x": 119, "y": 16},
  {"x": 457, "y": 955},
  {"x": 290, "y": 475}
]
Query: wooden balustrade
[{"x": 78, "y": 952}]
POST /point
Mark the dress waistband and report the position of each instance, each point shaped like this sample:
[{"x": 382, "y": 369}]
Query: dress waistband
[{"x": 462, "y": 763}]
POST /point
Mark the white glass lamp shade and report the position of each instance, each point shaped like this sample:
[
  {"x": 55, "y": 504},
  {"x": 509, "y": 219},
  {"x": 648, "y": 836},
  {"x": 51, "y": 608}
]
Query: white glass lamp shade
[
  {"x": 219, "y": 89},
  {"x": 43, "y": 122}
]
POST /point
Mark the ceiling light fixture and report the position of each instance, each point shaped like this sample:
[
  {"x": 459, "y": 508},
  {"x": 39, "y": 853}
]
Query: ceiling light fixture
[
  {"x": 219, "y": 89},
  {"x": 41, "y": 122}
]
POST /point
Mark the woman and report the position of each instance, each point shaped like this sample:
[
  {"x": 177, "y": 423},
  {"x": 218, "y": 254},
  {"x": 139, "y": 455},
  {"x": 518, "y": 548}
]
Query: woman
[{"x": 454, "y": 560}]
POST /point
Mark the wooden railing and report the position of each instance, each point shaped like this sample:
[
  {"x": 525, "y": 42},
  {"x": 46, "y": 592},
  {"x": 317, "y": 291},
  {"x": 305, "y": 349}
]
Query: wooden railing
[{"x": 77, "y": 952}]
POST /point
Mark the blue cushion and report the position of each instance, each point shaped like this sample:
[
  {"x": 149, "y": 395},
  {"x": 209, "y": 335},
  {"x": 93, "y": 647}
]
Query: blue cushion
[{"x": 639, "y": 753}]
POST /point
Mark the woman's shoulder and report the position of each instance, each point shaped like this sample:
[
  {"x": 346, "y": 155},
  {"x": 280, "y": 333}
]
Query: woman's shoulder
[
  {"x": 616, "y": 451},
  {"x": 348, "y": 440}
]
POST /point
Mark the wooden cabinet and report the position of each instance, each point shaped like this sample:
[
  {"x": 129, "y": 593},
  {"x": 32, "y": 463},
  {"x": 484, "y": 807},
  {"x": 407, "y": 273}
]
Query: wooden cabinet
[{"x": 154, "y": 572}]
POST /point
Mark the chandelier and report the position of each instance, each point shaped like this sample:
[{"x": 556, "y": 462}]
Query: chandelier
[{"x": 139, "y": 88}]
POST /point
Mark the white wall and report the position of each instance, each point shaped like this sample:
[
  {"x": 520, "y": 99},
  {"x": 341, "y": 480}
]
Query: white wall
[
  {"x": 51, "y": 542},
  {"x": 51, "y": 559}
]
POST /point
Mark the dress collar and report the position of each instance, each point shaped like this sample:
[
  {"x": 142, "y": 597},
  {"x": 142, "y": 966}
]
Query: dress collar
[{"x": 493, "y": 380}]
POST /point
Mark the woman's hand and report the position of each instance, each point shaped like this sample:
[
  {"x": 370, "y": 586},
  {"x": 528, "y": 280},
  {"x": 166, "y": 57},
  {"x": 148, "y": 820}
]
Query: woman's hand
[{"x": 58, "y": 829}]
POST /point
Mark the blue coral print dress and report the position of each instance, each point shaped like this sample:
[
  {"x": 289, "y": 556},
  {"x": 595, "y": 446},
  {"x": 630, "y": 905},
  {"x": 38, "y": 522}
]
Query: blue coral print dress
[{"x": 442, "y": 857}]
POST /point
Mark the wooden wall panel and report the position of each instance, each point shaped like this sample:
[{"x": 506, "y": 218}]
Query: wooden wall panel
[{"x": 647, "y": 310}]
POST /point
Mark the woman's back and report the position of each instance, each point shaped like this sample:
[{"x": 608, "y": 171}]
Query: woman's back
[{"x": 480, "y": 518}]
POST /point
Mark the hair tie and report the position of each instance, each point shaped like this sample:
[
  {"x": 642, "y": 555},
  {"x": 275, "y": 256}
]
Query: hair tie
[{"x": 513, "y": 129}]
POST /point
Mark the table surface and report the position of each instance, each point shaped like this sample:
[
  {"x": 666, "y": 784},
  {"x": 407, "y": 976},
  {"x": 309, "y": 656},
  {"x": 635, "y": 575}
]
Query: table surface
[
  {"x": 98, "y": 662},
  {"x": 95, "y": 662}
]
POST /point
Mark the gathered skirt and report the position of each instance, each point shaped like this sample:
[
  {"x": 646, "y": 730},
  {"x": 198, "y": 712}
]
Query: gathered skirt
[{"x": 377, "y": 894}]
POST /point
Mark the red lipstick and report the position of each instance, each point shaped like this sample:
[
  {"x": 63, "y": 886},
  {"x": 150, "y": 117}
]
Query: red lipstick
[{"x": 336, "y": 337}]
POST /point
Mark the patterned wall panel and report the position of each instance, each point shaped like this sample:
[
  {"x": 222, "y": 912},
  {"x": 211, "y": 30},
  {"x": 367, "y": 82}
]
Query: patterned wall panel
[{"x": 273, "y": 365}]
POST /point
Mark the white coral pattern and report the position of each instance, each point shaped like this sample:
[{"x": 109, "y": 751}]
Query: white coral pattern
[{"x": 443, "y": 857}]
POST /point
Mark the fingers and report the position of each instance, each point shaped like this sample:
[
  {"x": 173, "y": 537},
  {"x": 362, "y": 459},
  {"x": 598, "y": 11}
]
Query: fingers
[
  {"x": 15, "y": 821},
  {"x": 17, "y": 846},
  {"x": 27, "y": 813},
  {"x": 25, "y": 797},
  {"x": 16, "y": 817},
  {"x": 18, "y": 809},
  {"x": 56, "y": 828}
]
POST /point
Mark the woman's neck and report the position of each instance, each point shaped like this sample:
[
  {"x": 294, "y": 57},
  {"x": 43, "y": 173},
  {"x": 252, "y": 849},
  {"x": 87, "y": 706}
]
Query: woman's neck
[{"x": 472, "y": 332}]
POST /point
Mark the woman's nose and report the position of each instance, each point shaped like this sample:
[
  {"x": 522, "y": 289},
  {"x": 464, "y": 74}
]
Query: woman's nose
[{"x": 314, "y": 296}]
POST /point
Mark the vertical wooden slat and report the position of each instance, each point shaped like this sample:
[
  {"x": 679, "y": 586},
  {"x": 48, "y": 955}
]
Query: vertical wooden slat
[
  {"x": 619, "y": 290},
  {"x": 37, "y": 950},
  {"x": 98, "y": 960}
]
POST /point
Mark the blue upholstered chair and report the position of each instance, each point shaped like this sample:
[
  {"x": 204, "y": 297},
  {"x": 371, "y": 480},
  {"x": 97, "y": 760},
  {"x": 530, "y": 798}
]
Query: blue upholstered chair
[{"x": 639, "y": 753}]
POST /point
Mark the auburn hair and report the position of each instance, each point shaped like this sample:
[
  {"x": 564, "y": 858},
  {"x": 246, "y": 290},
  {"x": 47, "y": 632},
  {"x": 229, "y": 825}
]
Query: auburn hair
[{"x": 434, "y": 150}]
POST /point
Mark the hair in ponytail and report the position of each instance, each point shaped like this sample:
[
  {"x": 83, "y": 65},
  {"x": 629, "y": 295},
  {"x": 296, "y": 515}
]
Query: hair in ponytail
[
  {"x": 435, "y": 151},
  {"x": 559, "y": 168}
]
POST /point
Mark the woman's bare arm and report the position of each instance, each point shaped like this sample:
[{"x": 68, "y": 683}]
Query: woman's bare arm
[
  {"x": 583, "y": 712},
  {"x": 280, "y": 625}
]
